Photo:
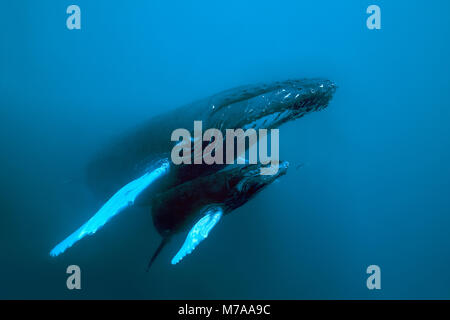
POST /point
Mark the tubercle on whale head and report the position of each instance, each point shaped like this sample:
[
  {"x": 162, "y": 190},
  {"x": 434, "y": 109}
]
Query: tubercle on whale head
[{"x": 269, "y": 106}]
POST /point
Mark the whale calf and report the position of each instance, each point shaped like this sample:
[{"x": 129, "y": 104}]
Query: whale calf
[{"x": 200, "y": 203}]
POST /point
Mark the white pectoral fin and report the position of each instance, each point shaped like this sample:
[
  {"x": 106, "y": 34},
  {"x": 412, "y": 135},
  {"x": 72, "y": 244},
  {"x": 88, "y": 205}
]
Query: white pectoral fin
[
  {"x": 198, "y": 233},
  {"x": 118, "y": 202}
]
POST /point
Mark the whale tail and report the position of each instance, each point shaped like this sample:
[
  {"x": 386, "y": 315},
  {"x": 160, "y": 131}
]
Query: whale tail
[{"x": 163, "y": 243}]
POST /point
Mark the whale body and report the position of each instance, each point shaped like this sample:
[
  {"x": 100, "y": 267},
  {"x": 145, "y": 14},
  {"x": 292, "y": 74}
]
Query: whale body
[{"x": 260, "y": 106}]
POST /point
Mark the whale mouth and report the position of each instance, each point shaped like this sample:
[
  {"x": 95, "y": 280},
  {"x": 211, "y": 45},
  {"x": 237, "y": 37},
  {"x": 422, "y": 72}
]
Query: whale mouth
[{"x": 269, "y": 120}]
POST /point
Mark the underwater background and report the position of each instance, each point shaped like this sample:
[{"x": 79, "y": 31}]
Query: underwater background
[{"x": 373, "y": 183}]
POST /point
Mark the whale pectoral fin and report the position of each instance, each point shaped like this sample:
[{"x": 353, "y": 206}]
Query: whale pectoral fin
[
  {"x": 121, "y": 200},
  {"x": 198, "y": 233}
]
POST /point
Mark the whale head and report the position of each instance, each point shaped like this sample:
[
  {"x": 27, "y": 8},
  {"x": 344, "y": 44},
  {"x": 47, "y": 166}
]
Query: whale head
[
  {"x": 269, "y": 105},
  {"x": 244, "y": 182}
]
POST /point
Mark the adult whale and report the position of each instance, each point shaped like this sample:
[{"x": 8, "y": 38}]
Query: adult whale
[
  {"x": 253, "y": 106},
  {"x": 136, "y": 167}
]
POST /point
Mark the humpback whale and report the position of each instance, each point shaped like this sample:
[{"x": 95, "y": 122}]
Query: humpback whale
[
  {"x": 135, "y": 168},
  {"x": 261, "y": 106},
  {"x": 203, "y": 201}
]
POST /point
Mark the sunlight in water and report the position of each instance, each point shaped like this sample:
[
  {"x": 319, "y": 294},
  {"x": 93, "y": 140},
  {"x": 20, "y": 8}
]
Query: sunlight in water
[{"x": 119, "y": 201}]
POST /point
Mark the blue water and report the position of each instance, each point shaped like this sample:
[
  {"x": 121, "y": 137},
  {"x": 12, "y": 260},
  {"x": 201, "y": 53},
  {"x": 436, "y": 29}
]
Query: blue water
[{"x": 373, "y": 189}]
